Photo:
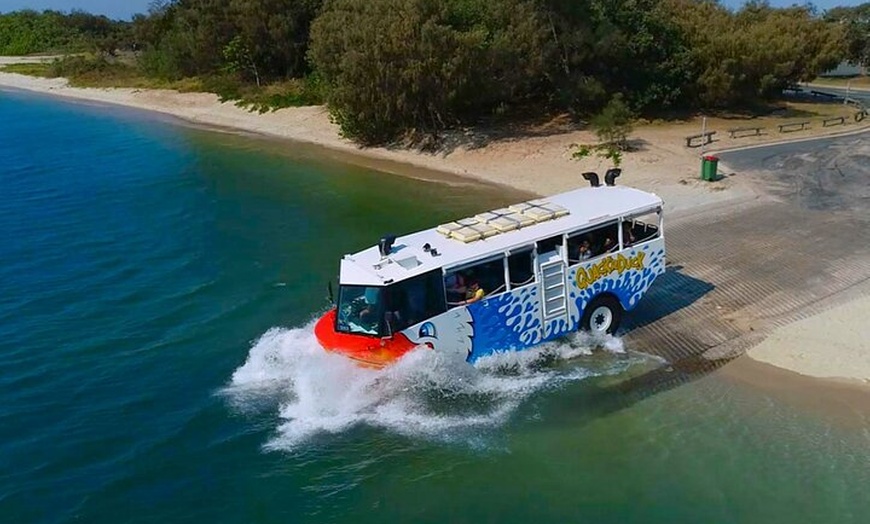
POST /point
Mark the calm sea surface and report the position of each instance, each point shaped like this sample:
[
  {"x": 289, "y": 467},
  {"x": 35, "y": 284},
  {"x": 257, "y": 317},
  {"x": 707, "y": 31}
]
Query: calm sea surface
[{"x": 157, "y": 291}]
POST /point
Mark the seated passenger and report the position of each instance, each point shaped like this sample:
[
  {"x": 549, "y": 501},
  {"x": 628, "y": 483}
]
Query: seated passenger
[
  {"x": 368, "y": 317},
  {"x": 366, "y": 308},
  {"x": 628, "y": 237},
  {"x": 584, "y": 251},
  {"x": 456, "y": 288},
  {"x": 475, "y": 292},
  {"x": 608, "y": 245}
]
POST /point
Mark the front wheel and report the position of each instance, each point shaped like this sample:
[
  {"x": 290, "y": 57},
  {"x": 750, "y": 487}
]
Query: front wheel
[{"x": 602, "y": 315}]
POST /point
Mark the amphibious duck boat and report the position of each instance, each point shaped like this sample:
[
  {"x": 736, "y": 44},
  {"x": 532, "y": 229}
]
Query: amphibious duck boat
[{"x": 503, "y": 280}]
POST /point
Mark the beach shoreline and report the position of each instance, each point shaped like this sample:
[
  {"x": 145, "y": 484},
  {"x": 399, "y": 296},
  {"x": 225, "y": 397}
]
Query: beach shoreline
[{"x": 539, "y": 163}]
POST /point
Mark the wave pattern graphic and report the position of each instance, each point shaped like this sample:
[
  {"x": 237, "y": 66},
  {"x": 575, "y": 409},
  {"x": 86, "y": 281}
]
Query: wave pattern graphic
[{"x": 424, "y": 395}]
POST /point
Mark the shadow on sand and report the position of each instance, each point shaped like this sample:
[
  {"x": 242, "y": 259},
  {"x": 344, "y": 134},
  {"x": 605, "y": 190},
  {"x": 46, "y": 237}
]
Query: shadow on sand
[{"x": 673, "y": 291}]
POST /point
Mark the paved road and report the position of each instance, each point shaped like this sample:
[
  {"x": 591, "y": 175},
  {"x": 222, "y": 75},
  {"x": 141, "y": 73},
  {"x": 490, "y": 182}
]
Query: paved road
[{"x": 738, "y": 272}]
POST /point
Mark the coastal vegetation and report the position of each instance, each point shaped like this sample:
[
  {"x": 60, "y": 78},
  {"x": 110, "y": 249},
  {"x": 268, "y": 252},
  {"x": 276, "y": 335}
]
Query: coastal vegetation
[
  {"x": 393, "y": 69},
  {"x": 27, "y": 32},
  {"x": 856, "y": 23}
]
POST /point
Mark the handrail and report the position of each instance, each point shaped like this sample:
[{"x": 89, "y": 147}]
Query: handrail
[
  {"x": 497, "y": 290},
  {"x": 521, "y": 284}
]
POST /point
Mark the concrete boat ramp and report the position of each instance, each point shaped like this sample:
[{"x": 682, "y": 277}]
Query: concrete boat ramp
[{"x": 737, "y": 272}]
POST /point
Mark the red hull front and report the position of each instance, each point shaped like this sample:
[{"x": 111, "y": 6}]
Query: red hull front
[{"x": 368, "y": 350}]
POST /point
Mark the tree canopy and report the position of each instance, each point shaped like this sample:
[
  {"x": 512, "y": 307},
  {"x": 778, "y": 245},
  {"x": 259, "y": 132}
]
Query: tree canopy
[
  {"x": 388, "y": 68},
  {"x": 26, "y": 32},
  {"x": 855, "y": 22}
]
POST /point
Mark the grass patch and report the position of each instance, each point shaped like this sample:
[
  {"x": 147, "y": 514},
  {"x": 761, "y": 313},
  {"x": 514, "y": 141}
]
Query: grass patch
[
  {"x": 295, "y": 92},
  {"x": 30, "y": 69},
  {"x": 809, "y": 110},
  {"x": 773, "y": 112},
  {"x": 102, "y": 72},
  {"x": 857, "y": 81}
]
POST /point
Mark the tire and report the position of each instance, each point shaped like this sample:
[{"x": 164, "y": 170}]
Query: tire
[{"x": 602, "y": 316}]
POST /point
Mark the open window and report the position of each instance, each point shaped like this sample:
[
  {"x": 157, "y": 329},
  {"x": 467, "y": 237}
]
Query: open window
[
  {"x": 520, "y": 268},
  {"x": 580, "y": 247},
  {"x": 641, "y": 228},
  {"x": 548, "y": 245},
  {"x": 592, "y": 243},
  {"x": 461, "y": 284}
]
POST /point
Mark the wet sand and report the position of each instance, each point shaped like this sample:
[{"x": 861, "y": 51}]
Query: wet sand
[{"x": 844, "y": 401}]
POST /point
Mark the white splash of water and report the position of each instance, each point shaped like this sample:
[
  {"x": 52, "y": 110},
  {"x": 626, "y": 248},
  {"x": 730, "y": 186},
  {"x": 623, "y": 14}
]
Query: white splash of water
[{"x": 423, "y": 394}]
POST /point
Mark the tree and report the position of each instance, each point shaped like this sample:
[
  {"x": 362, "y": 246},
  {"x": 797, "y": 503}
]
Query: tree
[
  {"x": 424, "y": 65},
  {"x": 239, "y": 58},
  {"x": 741, "y": 58},
  {"x": 277, "y": 33},
  {"x": 614, "y": 123},
  {"x": 856, "y": 25},
  {"x": 28, "y": 31}
]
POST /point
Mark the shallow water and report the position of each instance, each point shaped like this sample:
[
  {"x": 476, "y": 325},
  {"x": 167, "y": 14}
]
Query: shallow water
[{"x": 157, "y": 293}]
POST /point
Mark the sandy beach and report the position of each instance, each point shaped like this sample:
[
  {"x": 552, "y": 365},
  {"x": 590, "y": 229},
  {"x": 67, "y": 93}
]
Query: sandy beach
[
  {"x": 538, "y": 163},
  {"x": 831, "y": 345}
]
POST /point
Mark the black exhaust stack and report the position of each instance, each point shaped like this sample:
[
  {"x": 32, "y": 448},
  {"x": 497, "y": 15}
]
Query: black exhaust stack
[
  {"x": 385, "y": 245},
  {"x": 592, "y": 178},
  {"x": 611, "y": 176}
]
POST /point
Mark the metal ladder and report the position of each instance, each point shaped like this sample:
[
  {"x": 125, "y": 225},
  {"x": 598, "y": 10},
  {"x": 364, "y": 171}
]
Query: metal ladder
[{"x": 553, "y": 289}]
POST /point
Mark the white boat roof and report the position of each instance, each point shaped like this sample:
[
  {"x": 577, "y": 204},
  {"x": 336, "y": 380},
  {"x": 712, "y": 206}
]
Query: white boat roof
[{"x": 467, "y": 241}]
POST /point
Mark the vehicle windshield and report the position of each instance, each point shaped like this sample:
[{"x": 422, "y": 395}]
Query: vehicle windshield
[
  {"x": 382, "y": 311},
  {"x": 360, "y": 309}
]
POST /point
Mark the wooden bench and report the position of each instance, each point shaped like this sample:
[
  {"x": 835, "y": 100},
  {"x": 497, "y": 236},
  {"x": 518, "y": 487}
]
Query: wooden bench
[
  {"x": 755, "y": 131},
  {"x": 836, "y": 121},
  {"x": 793, "y": 126},
  {"x": 705, "y": 138}
]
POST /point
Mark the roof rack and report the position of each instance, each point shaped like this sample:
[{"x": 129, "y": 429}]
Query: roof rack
[{"x": 498, "y": 221}]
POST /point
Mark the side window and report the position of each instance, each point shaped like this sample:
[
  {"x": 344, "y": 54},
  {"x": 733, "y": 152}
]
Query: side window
[
  {"x": 579, "y": 247},
  {"x": 414, "y": 300},
  {"x": 462, "y": 285},
  {"x": 599, "y": 241},
  {"x": 549, "y": 244},
  {"x": 520, "y": 268},
  {"x": 640, "y": 228}
]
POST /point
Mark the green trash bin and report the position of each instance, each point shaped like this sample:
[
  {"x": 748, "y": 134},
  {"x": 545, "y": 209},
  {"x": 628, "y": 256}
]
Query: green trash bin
[{"x": 709, "y": 168}]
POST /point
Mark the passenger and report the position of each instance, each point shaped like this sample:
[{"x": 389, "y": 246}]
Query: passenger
[
  {"x": 368, "y": 315},
  {"x": 475, "y": 292},
  {"x": 608, "y": 245},
  {"x": 456, "y": 287},
  {"x": 628, "y": 237},
  {"x": 584, "y": 251}
]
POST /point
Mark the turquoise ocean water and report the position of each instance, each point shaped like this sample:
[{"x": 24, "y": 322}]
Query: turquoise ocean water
[{"x": 157, "y": 290}]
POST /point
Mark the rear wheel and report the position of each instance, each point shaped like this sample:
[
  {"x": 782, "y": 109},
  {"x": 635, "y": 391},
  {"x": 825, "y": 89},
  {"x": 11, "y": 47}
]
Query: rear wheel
[{"x": 602, "y": 316}]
